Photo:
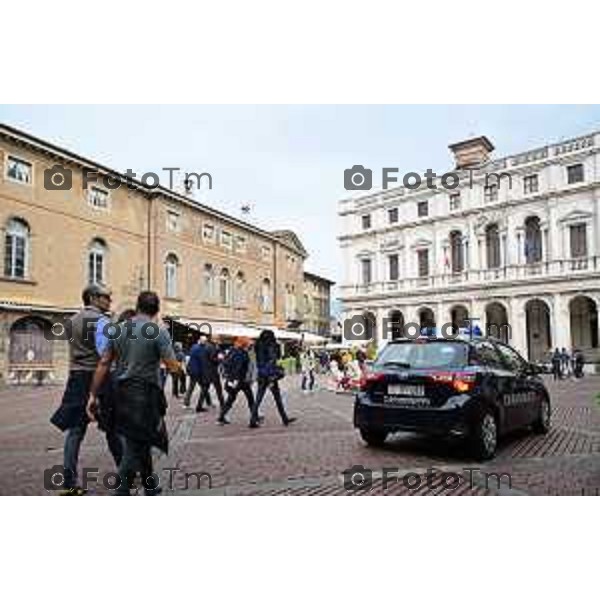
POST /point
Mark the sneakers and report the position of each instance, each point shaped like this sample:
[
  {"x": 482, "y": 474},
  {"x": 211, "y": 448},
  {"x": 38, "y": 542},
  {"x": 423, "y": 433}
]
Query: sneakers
[
  {"x": 200, "y": 409},
  {"x": 290, "y": 421},
  {"x": 73, "y": 491},
  {"x": 223, "y": 421}
]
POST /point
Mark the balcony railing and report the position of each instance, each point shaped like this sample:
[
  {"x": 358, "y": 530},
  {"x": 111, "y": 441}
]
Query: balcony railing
[{"x": 507, "y": 274}]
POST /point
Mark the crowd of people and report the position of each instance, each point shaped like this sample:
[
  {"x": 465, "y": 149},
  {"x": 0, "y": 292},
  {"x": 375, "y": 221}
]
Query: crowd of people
[
  {"x": 565, "y": 365},
  {"x": 118, "y": 370}
]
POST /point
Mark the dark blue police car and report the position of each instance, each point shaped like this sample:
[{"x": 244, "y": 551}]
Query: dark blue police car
[{"x": 474, "y": 387}]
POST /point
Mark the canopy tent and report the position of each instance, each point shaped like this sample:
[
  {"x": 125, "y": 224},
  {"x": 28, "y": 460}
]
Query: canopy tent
[
  {"x": 313, "y": 338},
  {"x": 228, "y": 329}
]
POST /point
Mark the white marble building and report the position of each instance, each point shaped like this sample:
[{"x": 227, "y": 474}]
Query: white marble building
[{"x": 524, "y": 251}]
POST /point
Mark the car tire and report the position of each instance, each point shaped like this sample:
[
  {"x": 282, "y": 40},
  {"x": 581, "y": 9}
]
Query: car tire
[
  {"x": 484, "y": 438},
  {"x": 373, "y": 437},
  {"x": 542, "y": 424}
]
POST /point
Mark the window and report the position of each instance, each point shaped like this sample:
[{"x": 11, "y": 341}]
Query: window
[
  {"x": 16, "y": 249},
  {"x": 393, "y": 215},
  {"x": 97, "y": 197},
  {"x": 533, "y": 240},
  {"x": 575, "y": 173},
  {"x": 240, "y": 244},
  {"x": 511, "y": 359},
  {"x": 490, "y": 193},
  {"x": 366, "y": 221},
  {"x": 456, "y": 251},
  {"x": 265, "y": 253},
  {"x": 265, "y": 295},
  {"x": 484, "y": 353},
  {"x": 240, "y": 290},
  {"x": 366, "y": 271},
  {"x": 18, "y": 170},
  {"x": 393, "y": 264},
  {"x": 492, "y": 246},
  {"x": 208, "y": 233},
  {"x": 96, "y": 262},
  {"x": 530, "y": 184},
  {"x": 423, "y": 262},
  {"x": 423, "y": 208},
  {"x": 208, "y": 285},
  {"x": 578, "y": 240},
  {"x": 290, "y": 302},
  {"x": 455, "y": 201},
  {"x": 226, "y": 239},
  {"x": 425, "y": 356},
  {"x": 171, "y": 265},
  {"x": 225, "y": 287},
  {"x": 172, "y": 221}
]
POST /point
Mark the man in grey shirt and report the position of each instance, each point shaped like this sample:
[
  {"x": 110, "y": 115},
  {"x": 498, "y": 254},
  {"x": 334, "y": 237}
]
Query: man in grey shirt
[
  {"x": 70, "y": 416},
  {"x": 138, "y": 347}
]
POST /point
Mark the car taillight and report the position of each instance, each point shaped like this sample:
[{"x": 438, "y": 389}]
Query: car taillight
[
  {"x": 369, "y": 379},
  {"x": 461, "y": 382}
]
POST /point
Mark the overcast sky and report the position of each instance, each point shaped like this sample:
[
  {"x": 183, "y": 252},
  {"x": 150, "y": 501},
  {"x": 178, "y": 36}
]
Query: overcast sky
[{"x": 288, "y": 161}]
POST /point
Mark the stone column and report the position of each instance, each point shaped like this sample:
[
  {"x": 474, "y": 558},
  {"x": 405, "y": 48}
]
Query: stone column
[
  {"x": 560, "y": 322},
  {"x": 518, "y": 325}
]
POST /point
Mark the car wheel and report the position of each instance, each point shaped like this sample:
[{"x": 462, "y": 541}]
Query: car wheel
[
  {"x": 484, "y": 439},
  {"x": 373, "y": 437},
  {"x": 542, "y": 424}
]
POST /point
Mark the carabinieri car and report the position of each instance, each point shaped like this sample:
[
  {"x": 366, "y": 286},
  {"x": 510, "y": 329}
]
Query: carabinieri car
[{"x": 474, "y": 387}]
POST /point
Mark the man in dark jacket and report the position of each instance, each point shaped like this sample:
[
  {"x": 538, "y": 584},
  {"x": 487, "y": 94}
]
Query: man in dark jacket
[
  {"x": 238, "y": 377},
  {"x": 204, "y": 363},
  {"x": 71, "y": 416},
  {"x": 139, "y": 350}
]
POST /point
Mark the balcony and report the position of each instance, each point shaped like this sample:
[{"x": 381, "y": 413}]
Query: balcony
[{"x": 476, "y": 277}]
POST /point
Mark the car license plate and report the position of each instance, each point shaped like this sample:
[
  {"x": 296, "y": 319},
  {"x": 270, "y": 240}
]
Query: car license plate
[
  {"x": 400, "y": 389},
  {"x": 408, "y": 402}
]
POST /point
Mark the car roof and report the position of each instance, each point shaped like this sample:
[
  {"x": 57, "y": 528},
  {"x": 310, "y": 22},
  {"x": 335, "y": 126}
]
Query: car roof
[{"x": 462, "y": 338}]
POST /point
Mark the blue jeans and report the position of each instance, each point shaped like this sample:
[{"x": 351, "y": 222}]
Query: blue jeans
[
  {"x": 310, "y": 376},
  {"x": 73, "y": 440}
]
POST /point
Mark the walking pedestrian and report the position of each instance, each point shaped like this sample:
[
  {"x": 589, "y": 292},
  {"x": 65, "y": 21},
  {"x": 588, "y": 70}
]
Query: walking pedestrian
[
  {"x": 71, "y": 417},
  {"x": 556, "y": 364},
  {"x": 237, "y": 368},
  {"x": 308, "y": 361},
  {"x": 579, "y": 362},
  {"x": 269, "y": 374},
  {"x": 178, "y": 379},
  {"x": 139, "y": 412},
  {"x": 565, "y": 363}
]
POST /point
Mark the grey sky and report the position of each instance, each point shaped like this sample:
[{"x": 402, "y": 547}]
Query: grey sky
[{"x": 288, "y": 161}]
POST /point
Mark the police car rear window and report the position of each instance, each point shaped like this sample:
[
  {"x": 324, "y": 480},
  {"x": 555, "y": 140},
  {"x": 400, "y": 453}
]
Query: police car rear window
[{"x": 423, "y": 355}]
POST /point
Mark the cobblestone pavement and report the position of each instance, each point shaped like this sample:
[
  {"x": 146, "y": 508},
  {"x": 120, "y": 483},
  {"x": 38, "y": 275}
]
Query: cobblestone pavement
[{"x": 310, "y": 456}]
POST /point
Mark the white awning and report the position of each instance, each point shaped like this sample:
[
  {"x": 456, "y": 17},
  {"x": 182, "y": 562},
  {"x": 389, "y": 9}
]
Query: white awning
[
  {"x": 226, "y": 329},
  {"x": 313, "y": 338}
]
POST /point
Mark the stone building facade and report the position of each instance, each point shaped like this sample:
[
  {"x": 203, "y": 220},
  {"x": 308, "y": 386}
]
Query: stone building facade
[
  {"x": 317, "y": 304},
  {"x": 206, "y": 265},
  {"x": 517, "y": 242}
]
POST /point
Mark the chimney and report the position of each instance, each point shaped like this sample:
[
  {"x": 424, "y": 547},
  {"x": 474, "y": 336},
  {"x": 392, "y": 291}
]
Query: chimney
[{"x": 472, "y": 152}]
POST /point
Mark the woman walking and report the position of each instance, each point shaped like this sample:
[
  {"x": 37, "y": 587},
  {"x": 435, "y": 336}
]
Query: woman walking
[{"x": 269, "y": 374}]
